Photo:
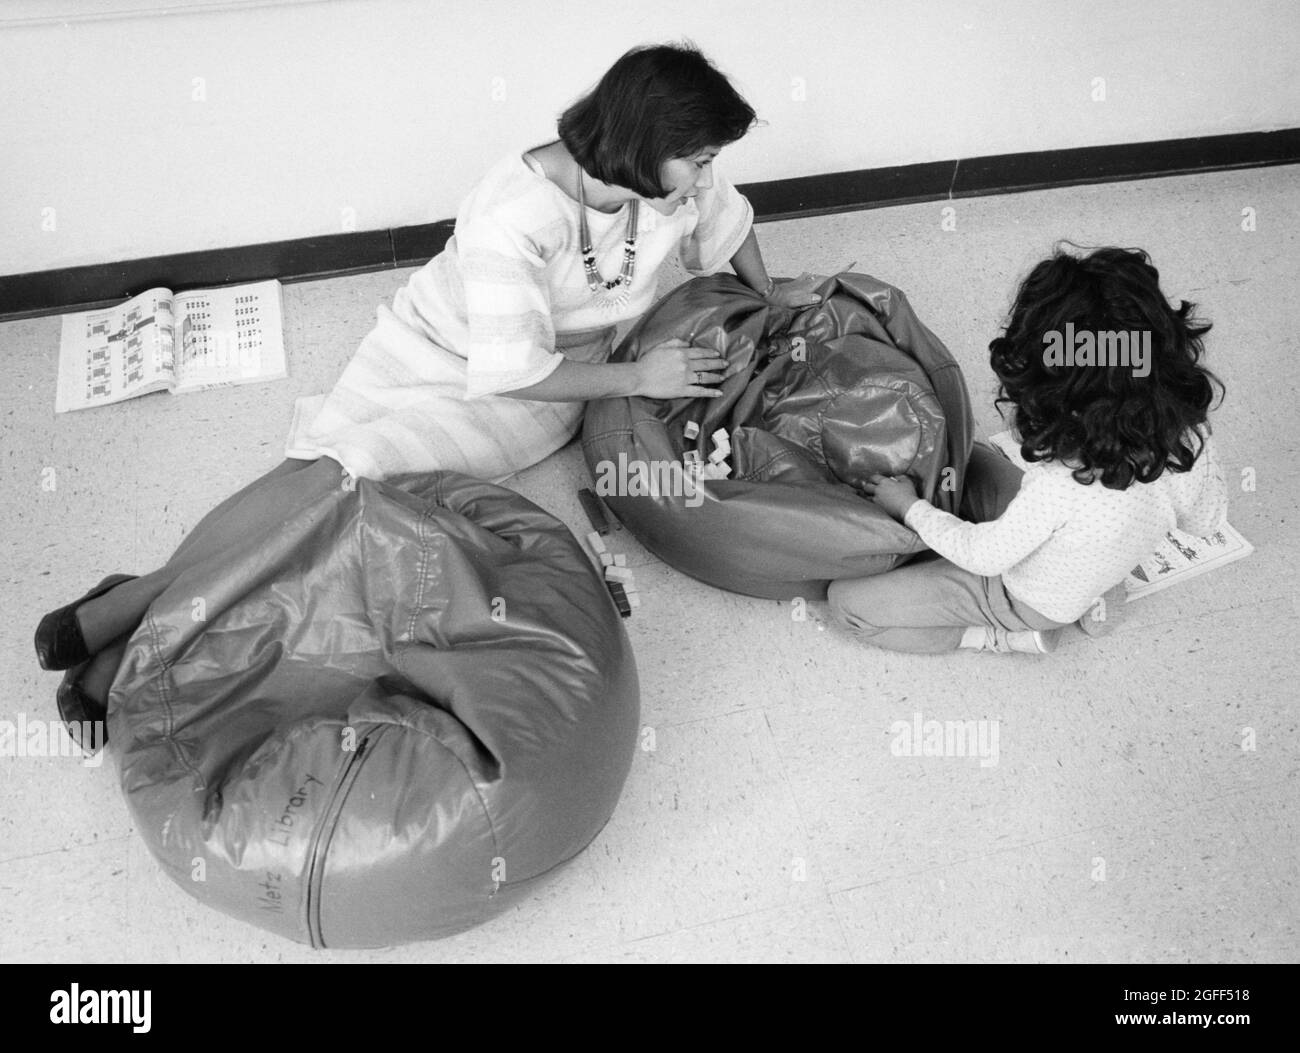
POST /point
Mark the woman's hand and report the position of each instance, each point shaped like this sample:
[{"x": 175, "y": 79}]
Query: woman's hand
[
  {"x": 676, "y": 370},
  {"x": 894, "y": 493},
  {"x": 798, "y": 292}
]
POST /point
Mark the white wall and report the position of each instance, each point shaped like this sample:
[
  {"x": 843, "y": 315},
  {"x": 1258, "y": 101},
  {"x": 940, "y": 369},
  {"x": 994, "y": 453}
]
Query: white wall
[{"x": 387, "y": 107}]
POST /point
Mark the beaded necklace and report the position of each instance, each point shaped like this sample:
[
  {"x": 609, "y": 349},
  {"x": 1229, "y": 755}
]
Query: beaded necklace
[{"x": 603, "y": 290}]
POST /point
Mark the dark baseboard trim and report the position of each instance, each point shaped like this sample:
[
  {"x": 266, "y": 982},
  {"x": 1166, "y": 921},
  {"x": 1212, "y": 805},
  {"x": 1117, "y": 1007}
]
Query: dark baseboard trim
[{"x": 302, "y": 259}]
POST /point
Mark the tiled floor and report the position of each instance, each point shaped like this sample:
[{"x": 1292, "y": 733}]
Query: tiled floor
[{"x": 1123, "y": 821}]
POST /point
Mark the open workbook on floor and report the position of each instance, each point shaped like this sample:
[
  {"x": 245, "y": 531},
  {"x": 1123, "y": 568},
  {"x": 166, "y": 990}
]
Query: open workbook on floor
[{"x": 177, "y": 342}]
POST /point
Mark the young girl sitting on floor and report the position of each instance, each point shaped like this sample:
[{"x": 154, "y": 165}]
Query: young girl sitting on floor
[{"x": 1119, "y": 451}]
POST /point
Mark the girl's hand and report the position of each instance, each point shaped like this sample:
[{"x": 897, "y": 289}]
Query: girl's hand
[
  {"x": 894, "y": 493},
  {"x": 798, "y": 292},
  {"x": 676, "y": 370}
]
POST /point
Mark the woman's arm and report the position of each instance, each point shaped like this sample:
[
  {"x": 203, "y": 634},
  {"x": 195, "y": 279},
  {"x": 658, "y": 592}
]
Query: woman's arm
[
  {"x": 749, "y": 266},
  {"x": 674, "y": 369},
  {"x": 671, "y": 370}
]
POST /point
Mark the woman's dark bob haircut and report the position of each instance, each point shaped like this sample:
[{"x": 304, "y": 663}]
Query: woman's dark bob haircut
[
  {"x": 1105, "y": 421},
  {"x": 654, "y": 104}
]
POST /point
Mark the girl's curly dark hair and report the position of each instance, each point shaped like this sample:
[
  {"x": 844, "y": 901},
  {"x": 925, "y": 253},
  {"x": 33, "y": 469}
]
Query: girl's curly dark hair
[{"x": 1104, "y": 421}]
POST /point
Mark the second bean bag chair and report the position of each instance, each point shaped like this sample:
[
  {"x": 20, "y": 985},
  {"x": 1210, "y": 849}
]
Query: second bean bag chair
[
  {"x": 384, "y": 722},
  {"x": 815, "y": 402}
]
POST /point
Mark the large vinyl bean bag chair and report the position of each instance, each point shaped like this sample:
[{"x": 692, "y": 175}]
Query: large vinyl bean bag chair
[
  {"x": 815, "y": 402},
  {"x": 384, "y": 722}
]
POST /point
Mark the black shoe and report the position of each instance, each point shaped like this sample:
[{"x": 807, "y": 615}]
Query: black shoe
[
  {"x": 59, "y": 643},
  {"x": 76, "y": 709}
]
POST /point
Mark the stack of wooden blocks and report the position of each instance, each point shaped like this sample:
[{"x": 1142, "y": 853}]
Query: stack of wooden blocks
[{"x": 618, "y": 576}]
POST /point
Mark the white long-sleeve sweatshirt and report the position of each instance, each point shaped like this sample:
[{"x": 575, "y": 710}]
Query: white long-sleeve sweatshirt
[{"x": 1060, "y": 544}]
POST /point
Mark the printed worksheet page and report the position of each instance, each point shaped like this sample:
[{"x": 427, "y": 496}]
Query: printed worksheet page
[
  {"x": 229, "y": 336},
  {"x": 116, "y": 353}
]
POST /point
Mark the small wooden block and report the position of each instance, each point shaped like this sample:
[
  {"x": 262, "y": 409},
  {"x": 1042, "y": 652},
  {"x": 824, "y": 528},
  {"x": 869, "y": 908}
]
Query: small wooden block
[
  {"x": 633, "y": 600},
  {"x": 596, "y": 543},
  {"x": 719, "y": 455},
  {"x": 620, "y": 560},
  {"x": 721, "y": 437},
  {"x": 692, "y": 430},
  {"x": 620, "y": 599},
  {"x": 692, "y": 457},
  {"x": 606, "y": 560},
  {"x": 618, "y": 574}
]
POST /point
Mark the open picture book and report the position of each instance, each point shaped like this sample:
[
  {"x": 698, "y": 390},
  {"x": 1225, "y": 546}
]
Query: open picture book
[
  {"x": 177, "y": 342},
  {"x": 1179, "y": 556}
]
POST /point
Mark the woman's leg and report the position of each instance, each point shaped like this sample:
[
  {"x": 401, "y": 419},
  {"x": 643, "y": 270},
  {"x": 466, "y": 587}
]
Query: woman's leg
[
  {"x": 98, "y": 677},
  {"x": 258, "y": 507},
  {"x": 210, "y": 520}
]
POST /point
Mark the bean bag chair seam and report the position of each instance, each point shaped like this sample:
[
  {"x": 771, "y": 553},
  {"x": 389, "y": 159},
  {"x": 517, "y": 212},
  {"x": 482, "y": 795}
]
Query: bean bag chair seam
[
  {"x": 758, "y": 469},
  {"x": 399, "y": 662},
  {"x": 399, "y": 653},
  {"x": 422, "y": 569},
  {"x": 317, "y": 857},
  {"x": 611, "y": 433},
  {"x": 910, "y": 397},
  {"x": 165, "y": 699}
]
